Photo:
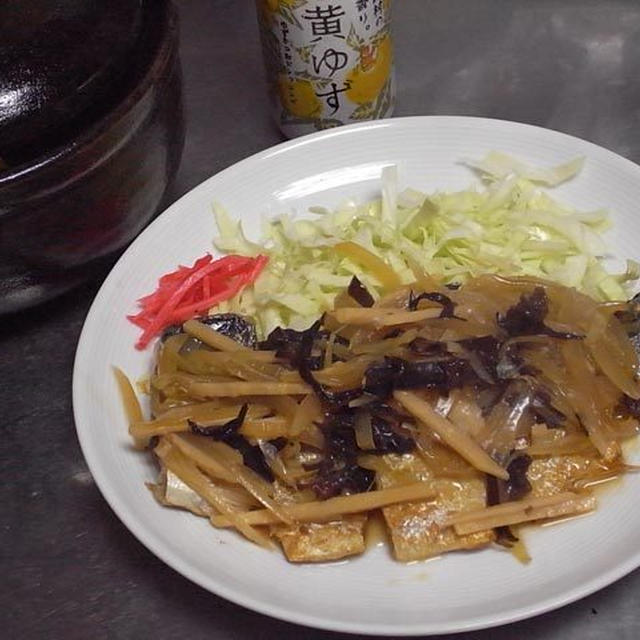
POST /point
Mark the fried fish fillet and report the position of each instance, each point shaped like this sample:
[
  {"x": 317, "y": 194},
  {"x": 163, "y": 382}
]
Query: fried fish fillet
[
  {"x": 415, "y": 527},
  {"x": 549, "y": 476},
  {"x": 322, "y": 542}
]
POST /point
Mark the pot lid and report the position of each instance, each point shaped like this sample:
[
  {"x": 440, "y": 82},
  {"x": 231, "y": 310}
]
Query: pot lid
[{"x": 57, "y": 58}]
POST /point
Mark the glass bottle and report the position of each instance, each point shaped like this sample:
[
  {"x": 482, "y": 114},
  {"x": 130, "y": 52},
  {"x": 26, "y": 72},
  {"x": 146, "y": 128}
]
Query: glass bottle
[{"x": 328, "y": 62}]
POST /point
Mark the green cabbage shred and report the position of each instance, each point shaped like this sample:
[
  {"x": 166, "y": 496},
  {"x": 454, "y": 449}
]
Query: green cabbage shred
[{"x": 506, "y": 223}]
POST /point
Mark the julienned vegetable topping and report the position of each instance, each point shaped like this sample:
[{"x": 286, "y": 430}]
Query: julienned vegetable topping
[
  {"x": 191, "y": 291},
  {"x": 462, "y": 412}
]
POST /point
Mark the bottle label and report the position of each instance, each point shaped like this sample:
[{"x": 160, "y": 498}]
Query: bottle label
[{"x": 328, "y": 63}]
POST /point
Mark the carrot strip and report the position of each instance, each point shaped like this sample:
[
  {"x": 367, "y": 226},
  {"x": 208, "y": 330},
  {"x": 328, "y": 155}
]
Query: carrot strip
[
  {"x": 375, "y": 265},
  {"x": 459, "y": 440}
]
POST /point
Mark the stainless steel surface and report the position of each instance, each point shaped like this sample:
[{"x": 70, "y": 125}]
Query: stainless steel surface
[{"x": 69, "y": 568}]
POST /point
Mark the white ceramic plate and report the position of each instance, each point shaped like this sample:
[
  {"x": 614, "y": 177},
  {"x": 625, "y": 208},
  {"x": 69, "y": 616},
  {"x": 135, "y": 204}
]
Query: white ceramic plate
[{"x": 370, "y": 594}]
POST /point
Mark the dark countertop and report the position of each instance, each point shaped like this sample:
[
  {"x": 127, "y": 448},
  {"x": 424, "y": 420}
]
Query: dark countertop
[{"x": 70, "y": 568}]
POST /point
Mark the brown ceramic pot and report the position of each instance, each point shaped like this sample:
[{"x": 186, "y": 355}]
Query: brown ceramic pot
[{"x": 66, "y": 213}]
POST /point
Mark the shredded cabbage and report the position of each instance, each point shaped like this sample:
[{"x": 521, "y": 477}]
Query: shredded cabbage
[
  {"x": 505, "y": 224},
  {"x": 500, "y": 165}
]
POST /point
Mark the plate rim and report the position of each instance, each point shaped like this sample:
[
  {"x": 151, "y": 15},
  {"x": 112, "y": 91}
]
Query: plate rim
[{"x": 156, "y": 546}]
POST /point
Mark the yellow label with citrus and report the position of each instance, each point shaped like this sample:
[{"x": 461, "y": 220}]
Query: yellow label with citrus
[{"x": 328, "y": 62}]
